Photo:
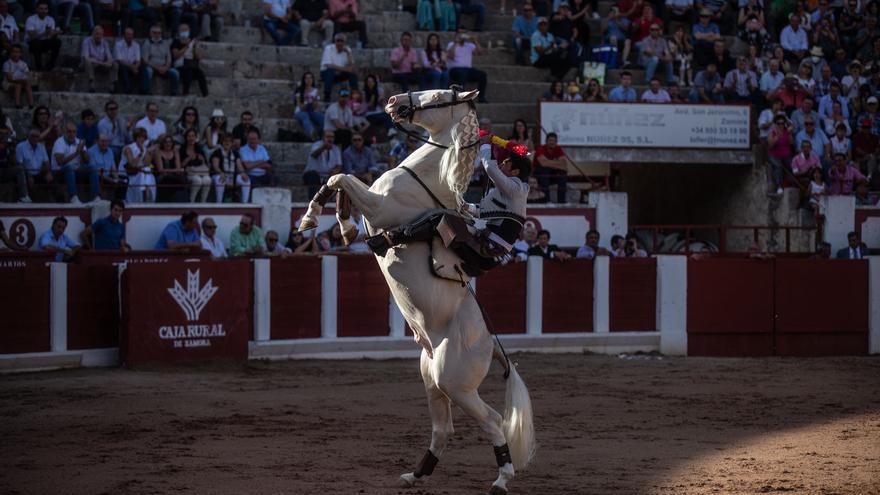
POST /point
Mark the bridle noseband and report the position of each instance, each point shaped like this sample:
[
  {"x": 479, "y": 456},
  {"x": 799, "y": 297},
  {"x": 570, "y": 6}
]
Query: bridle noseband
[{"x": 409, "y": 111}]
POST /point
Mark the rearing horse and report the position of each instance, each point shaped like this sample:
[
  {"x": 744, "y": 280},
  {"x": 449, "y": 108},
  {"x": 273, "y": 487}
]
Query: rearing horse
[{"x": 446, "y": 320}]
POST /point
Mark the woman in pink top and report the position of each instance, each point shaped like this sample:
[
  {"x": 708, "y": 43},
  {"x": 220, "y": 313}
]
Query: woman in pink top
[
  {"x": 805, "y": 160},
  {"x": 779, "y": 150}
]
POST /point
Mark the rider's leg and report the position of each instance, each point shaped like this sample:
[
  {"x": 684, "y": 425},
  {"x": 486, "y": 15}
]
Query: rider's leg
[{"x": 421, "y": 230}]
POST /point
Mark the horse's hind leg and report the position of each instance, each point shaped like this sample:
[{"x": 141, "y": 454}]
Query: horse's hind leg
[
  {"x": 490, "y": 421},
  {"x": 440, "y": 408}
]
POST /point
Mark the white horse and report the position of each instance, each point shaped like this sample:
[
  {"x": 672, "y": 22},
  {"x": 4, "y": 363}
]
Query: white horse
[{"x": 444, "y": 316}]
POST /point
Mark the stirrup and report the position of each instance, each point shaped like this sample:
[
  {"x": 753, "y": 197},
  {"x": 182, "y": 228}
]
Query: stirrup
[{"x": 379, "y": 244}]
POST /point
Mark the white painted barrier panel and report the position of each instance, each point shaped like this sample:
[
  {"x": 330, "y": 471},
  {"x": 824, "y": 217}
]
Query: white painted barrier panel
[{"x": 647, "y": 125}]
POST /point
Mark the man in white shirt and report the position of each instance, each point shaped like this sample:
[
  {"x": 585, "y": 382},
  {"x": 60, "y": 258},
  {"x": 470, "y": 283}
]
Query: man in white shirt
[
  {"x": 152, "y": 123},
  {"x": 741, "y": 84},
  {"x": 771, "y": 79},
  {"x": 68, "y": 153},
  {"x": 655, "y": 93},
  {"x": 9, "y": 33},
  {"x": 42, "y": 37},
  {"x": 324, "y": 160},
  {"x": 460, "y": 56},
  {"x": 337, "y": 65},
  {"x": 794, "y": 40},
  {"x": 210, "y": 240},
  {"x": 127, "y": 55}
]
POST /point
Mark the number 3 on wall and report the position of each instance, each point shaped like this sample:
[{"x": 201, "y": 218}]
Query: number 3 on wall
[{"x": 22, "y": 233}]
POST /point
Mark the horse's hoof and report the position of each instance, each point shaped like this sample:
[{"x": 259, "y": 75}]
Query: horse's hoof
[
  {"x": 307, "y": 224},
  {"x": 350, "y": 235},
  {"x": 497, "y": 490},
  {"x": 408, "y": 480}
]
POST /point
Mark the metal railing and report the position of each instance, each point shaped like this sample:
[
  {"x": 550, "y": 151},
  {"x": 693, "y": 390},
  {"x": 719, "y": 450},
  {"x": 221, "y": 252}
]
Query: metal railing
[{"x": 724, "y": 239}]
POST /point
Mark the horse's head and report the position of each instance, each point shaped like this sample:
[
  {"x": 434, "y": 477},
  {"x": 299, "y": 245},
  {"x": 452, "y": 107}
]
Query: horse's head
[{"x": 433, "y": 109}]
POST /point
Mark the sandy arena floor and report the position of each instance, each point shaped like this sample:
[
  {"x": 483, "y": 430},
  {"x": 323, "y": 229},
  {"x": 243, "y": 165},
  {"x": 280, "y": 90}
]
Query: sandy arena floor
[{"x": 605, "y": 425}]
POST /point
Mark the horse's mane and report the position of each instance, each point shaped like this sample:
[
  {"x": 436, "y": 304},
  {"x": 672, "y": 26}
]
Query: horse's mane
[{"x": 457, "y": 163}]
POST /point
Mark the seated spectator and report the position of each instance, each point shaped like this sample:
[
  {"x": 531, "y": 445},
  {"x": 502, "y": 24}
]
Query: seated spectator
[
  {"x": 751, "y": 26},
  {"x": 819, "y": 141},
  {"x": 551, "y": 167},
  {"x": 42, "y": 37},
  {"x": 705, "y": 34},
  {"x": 168, "y": 171},
  {"x": 241, "y": 130},
  {"x": 359, "y": 160},
  {"x": 595, "y": 92},
  {"x": 68, "y": 153},
  {"x": 823, "y": 251},
  {"x": 56, "y": 241},
  {"x": 794, "y": 40},
  {"x": 720, "y": 56},
  {"x": 871, "y": 114},
  {"x": 854, "y": 80},
  {"x": 617, "y": 245},
  {"x": 821, "y": 71},
  {"x": 308, "y": 106},
  {"x": 211, "y": 242},
  {"x": 247, "y": 239},
  {"x": 9, "y": 32},
  {"x": 108, "y": 233},
  {"x": 865, "y": 145},
  {"x": 10, "y": 172},
  {"x": 115, "y": 128},
  {"x": 572, "y": 92},
  {"x": 840, "y": 143},
  {"x": 157, "y": 61},
  {"x": 103, "y": 160},
  {"x": 527, "y": 238},
  {"x": 624, "y": 93},
  {"x": 97, "y": 56},
  {"x": 135, "y": 163},
  {"x": 855, "y": 249},
  {"x": 839, "y": 64},
  {"x": 803, "y": 163},
  {"x": 675, "y": 95},
  {"x": 432, "y": 15},
  {"x": 314, "y": 15},
  {"x": 591, "y": 248},
  {"x": 837, "y": 119},
  {"x": 87, "y": 129},
  {"x": 679, "y": 11},
  {"x": 256, "y": 161},
  {"x": 344, "y": 14},
  {"x": 138, "y": 10},
  {"x": 459, "y": 59},
  {"x": 196, "y": 165},
  {"x": 340, "y": 119},
  {"x": 186, "y": 52},
  {"x": 66, "y": 9},
  {"x": 827, "y": 101},
  {"x": 524, "y": 25},
  {"x": 655, "y": 52},
  {"x": 805, "y": 79},
  {"x": 767, "y": 116},
  {"x": 475, "y": 7},
  {"x": 297, "y": 242},
  {"x": 405, "y": 66},
  {"x": 772, "y": 79},
  {"x": 7, "y": 130},
  {"x": 683, "y": 54},
  {"x": 204, "y": 18},
  {"x": 804, "y": 112},
  {"x": 337, "y": 64},
  {"x": 127, "y": 56},
  {"x": 181, "y": 235},
  {"x": 433, "y": 63},
  {"x": 324, "y": 160},
  {"x": 16, "y": 77},
  {"x": 862, "y": 195},
  {"x": 631, "y": 247},
  {"x": 555, "y": 93},
  {"x": 546, "y": 53},
  {"x": 779, "y": 150},
  {"x": 274, "y": 248},
  {"x": 791, "y": 93},
  {"x": 817, "y": 190},
  {"x": 31, "y": 155},
  {"x": 188, "y": 120},
  {"x": 570, "y": 33},
  {"x": 227, "y": 169},
  {"x": 844, "y": 176},
  {"x": 655, "y": 93},
  {"x": 215, "y": 129},
  {"x": 151, "y": 123},
  {"x": 707, "y": 86},
  {"x": 614, "y": 28},
  {"x": 401, "y": 151},
  {"x": 277, "y": 16},
  {"x": 544, "y": 249}
]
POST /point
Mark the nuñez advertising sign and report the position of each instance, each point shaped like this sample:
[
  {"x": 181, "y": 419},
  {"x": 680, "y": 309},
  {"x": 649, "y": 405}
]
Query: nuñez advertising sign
[{"x": 184, "y": 311}]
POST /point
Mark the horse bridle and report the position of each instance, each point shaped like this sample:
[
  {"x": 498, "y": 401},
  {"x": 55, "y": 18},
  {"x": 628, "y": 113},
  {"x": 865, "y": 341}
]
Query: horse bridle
[{"x": 409, "y": 111}]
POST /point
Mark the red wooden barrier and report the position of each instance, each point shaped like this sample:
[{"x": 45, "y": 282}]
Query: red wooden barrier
[
  {"x": 730, "y": 307},
  {"x": 295, "y": 297},
  {"x": 633, "y": 294},
  {"x": 181, "y": 311},
  {"x": 821, "y": 307},
  {"x": 568, "y": 296},
  {"x": 24, "y": 306},
  {"x": 363, "y": 298},
  {"x": 502, "y": 292}
]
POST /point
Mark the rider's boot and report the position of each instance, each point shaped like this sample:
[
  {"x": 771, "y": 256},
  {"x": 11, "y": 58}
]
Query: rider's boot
[{"x": 421, "y": 230}]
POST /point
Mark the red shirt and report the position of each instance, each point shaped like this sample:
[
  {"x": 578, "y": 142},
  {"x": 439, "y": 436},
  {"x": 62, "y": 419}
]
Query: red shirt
[
  {"x": 864, "y": 143},
  {"x": 551, "y": 154},
  {"x": 643, "y": 27}
]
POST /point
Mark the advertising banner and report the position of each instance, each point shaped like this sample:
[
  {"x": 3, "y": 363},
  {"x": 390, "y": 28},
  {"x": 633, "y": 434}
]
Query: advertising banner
[
  {"x": 647, "y": 125},
  {"x": 181, "y": 311}
]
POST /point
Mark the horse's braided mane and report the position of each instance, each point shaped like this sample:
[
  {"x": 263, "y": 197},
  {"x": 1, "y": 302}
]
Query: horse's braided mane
[{"x": 457, "y": 163}]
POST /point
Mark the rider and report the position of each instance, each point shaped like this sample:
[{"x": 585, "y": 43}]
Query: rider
[{"x": 503, "y": 208}]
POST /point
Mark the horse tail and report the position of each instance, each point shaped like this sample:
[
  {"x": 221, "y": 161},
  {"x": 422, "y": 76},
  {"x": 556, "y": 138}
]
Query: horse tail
[{"x": 518, "y": 427}]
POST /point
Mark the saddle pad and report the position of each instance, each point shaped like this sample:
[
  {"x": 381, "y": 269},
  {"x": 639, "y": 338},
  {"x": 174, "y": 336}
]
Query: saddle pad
[{"x": 445, "y": 263}]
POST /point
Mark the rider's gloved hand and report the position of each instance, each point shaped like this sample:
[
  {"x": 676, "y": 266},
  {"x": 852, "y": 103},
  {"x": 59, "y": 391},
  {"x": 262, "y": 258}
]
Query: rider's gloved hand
[{"x": 485, "y": 154}]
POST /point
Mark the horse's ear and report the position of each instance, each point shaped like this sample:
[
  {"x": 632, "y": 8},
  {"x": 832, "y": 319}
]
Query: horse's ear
[{"x": 468, "y": 95}]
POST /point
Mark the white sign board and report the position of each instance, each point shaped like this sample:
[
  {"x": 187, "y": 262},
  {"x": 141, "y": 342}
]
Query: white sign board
[{"x": 647, "y": 125}]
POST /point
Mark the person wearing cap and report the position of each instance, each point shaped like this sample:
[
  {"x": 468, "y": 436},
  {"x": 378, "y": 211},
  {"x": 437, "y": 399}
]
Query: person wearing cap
[
  {"x": 215, "y": 129},
  {"x": 705, "y": 34},
  {"x": 794, "y": 39},
  {"x": 339, "y": 119},
  {"x": 524, "y": 25},
  {"x": 865, "y": 148},
  {"x": 546, "y": 53},
  {"x": 816, "y": 61},
  {"x": 337, "y": 65},
  {"x": 871, "y": 115},
  {"x": 851, "y": 83}
]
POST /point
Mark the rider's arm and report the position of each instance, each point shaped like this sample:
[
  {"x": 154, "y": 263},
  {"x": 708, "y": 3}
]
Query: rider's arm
[{"x": 508, "y": 185}]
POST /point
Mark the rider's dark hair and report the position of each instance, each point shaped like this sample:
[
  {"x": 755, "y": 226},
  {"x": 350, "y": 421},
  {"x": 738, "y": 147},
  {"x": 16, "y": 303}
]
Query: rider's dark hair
[{"x": 523, "y": 165}]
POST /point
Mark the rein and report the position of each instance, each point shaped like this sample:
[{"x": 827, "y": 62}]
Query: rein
[{"x": 409, "y": 111}]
